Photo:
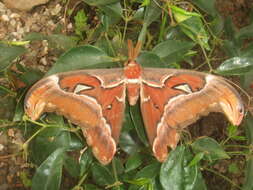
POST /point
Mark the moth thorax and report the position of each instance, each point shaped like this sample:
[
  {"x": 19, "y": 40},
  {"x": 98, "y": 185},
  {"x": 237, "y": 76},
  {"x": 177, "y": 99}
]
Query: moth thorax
[{"x": 132, "y": 70}]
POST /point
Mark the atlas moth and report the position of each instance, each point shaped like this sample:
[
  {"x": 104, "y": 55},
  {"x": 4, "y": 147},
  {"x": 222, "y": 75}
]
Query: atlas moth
[{"x": 170, "y": 99}]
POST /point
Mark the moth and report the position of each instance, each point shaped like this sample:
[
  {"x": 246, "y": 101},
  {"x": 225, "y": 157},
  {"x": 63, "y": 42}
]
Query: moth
[{"x": 170, "y": 99}]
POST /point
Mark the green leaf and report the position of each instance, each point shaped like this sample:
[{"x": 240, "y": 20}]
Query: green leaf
[
  {"x": 248, "y": 51},
  {"x": 217, "y": 25},
  {"x": 85, "y": 161},
  {"x": 49, "y": 140},
  {"x": 245, "y": 32},
  {"x": 197, "y": 158},
  {"x": 75, "y": 142},
  {"x": 8, "y": 54},
  {"x": 150, "y": 59},
  {"x": 72, "y": 166},
  {"x": 149, "y": 171},
  {"x": 24, "y": 176},
  {"x": 100, "y": 2},
  {"x": 80, "y": 23},
  {"x": 230, "y": 30},
  {"x": 119, "y": 168},
  {"x": 181, "y": 14},
  {"x": 171, "y": 51},
  {"x": 113, "y": 12},
  {"x": 48, "y": 175},
  {"x": 138, "y": 123},
  {"x": 233, "y": 168},
  {"x": 128, "y": 144},
  {"x": 152, "y": 13},
  {"x": 62, "y": 42},
  {"x": 191, "y": 25},
  {"x": 139, "y": 181},
  {"x": 194, "y": 29},
  {"x": 7, "y": 110},
  {"x": 91, "y": 187},
  {"x": 248, "y": 127},
  {"x": 235, "y": 66},
  {"x": 247, "y": 80},
  {"x": 101, "y": 175},
  {"x": 232, "y": 130},
  {"x": 207, "y": 6},
  {"x": 133, "y": 162},
  {"x": 248, "y": 184},
  {"x": 58, "y": 41},
  {"x": 176, "y": 173},
  {"x": 211, "y": 149},
  {"x": 230, "y": 49},
  {"x": 82, "y": 57},
  {"x": 30, "y": 76}
]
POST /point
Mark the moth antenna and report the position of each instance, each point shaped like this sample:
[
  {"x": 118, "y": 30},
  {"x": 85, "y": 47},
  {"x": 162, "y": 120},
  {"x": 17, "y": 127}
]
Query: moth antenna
[
  {"x": 133, "y": 52},
  {"x": 130, "y": 50},
  {"x": 137, "y": 50}
]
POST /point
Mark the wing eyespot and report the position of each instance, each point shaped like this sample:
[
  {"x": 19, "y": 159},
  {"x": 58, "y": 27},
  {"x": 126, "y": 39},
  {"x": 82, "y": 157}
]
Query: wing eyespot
[
  {"x": 109, "y": 107},
  {"x": 156, "y": 106}
]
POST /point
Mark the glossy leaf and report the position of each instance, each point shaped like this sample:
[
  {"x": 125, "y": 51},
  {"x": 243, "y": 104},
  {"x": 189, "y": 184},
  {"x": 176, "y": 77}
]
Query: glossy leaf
[
  {"x": 230, "y": 49},
  {"x": 49, "y": 140},
  {"x": 207, "y": 6},
  {"x": 75, "y": 142},
  {"x": 85, "y": 161},
  {"x": 100, "y": 2},
  {"x": 72, "y": 166},
  {"x": 230, "y": 30},
  {"x": 176, "y": 173},
  {"x": 30, "y": 76},
  {"x": 19, "y": 111},
  {"x": 171, "y": 51},
  {"x": 198, "y": 157},
  {"x": 82, "y": 57},
  {"x": 217, "y": 25},
  {"x": 138, "y": 123},
  {"x": 149, "y": 171},
  {"x": 128, "y": 144},
  {"x": 245, "y": 32},
  {"x": 248, "y": 51},
  {"x": 48, "y": 175},
  {"x": 91, "y": 187},
  {"x": 194, "y": 29},
  {"x": 133, "y": 162},
  {"x": 113, "y": 12},
  {"x": 248, "y": 184},
  {"x": 235, "y": 66},
  {"x": 181, "y": 14},
  {"x": 119, "y": 168},
  {"x": 101, "y": 175},
  {"x": 211, "y": 149},
  {"x": 58, "y": 41},
  {"x": 150, "y": 59},
  {"x": 247, "y": 80},
  {"x": 152, "y": 12},
  {"x": 191, "y": 24},
  {"x": 8, "y": 54}
]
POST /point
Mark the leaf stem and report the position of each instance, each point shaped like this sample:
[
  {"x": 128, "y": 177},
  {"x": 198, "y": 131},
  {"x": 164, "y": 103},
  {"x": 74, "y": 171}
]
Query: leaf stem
[
  {"x": 222, "y": 176},
  {"x": 117, "y": 182},
  {"x": 78, "y": 186}
]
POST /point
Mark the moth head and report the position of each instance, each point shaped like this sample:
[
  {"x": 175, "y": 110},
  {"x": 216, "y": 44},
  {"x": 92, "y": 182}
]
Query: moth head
[{"x": 233, "y": 107}]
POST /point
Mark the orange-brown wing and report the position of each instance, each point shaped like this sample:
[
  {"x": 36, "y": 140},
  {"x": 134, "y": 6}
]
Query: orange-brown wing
[
  {"x": 172, "y": 99},
  {"x": 92, "y": 99}
]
